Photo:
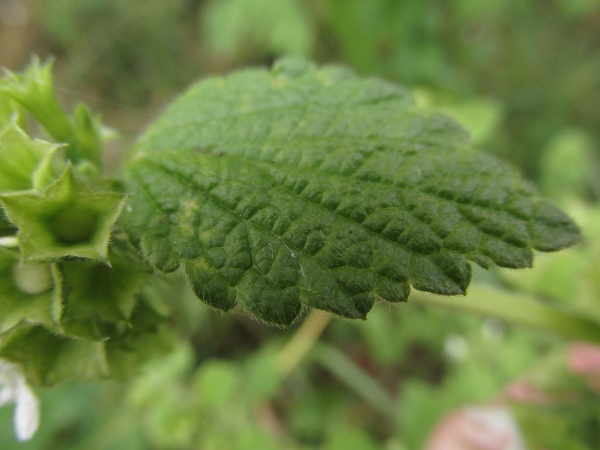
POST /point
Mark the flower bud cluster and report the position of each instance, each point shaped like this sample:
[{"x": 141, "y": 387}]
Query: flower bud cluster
[{"x": 74, "y": 291}]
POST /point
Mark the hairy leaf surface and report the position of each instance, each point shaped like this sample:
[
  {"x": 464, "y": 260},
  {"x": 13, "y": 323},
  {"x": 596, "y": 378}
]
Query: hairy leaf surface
[{"x": 304, "y": 187}]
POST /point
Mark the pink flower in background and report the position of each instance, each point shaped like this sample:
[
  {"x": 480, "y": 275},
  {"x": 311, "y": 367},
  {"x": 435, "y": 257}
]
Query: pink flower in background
[
  {"x": 493, "y": 427},
  {"x": 584, "y": 360},
  {"x": 477, "y": 428}
]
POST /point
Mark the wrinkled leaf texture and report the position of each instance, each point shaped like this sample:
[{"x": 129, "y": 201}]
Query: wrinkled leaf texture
[{"x": 301, "y": 187}]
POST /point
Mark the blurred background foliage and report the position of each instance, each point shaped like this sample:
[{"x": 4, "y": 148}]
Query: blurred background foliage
[{"x": 522, "y": 75}]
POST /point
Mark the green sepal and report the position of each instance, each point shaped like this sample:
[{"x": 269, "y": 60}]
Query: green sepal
[
  {"x": 143, "y": 337},
  {"x": 26, "y": 163},
  {"x": 95, "y": 296},
  {"x": 66, "y": 220},
  {"x": 34, "y": 90},
  {"x": 10, "y": 110},
  {"x": 27, "y": 293},
  {"x": 6, "y": 228},
  {"x": 87, "y": 133},
  {"x": 48, "y": 358},
  {"x": 153, "y": 307}
]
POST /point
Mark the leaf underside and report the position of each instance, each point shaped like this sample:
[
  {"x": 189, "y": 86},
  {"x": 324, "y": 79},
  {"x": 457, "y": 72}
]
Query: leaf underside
[{"x": 301, "y": 187}]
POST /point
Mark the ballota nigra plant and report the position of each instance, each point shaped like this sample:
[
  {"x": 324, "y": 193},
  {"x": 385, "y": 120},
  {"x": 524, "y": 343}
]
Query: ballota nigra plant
[{"x": 274, "y": 191}]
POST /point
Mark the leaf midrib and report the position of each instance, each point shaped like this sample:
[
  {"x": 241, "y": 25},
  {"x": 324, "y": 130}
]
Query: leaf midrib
[
  {"x": 419, "y": 189},
  {"x": 247, "y": 223},
  {"x": 194, "y": 186}
]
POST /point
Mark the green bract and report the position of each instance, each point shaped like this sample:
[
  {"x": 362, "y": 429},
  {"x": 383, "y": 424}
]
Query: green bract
[
  {"x": 95, "y": 296},
  {"x": 48, "y": 358},
  {"x": 67, "y": 219},
  {"x": 74, "y": 297},
  {"x": 26, "y": 292},
  {"x": 9, "y": 109},
  {"x": 301, "y": 188},
  {"x": 34, "y": 91},
  {"x": 26, "y": 163}
]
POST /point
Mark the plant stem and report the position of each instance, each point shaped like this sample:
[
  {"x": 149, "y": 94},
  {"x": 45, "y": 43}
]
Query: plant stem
[
  {"x": 355, "y": 378},
  {"x": 302, "y": 342},
  {"x": 483, "y": 300},
  {"x": 518, "y": 309},
  {"x": 305, "y": 341}
]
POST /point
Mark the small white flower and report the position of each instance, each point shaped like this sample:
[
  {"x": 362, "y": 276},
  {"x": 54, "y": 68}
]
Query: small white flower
[
  {"x": 14, "y": 388},
  {"x": 9, "y": 241}
]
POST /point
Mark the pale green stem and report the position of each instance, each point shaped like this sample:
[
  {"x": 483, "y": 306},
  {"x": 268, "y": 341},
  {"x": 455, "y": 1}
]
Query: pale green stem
[
  {"x": 302, "y": 342},
  {"x": 305, "y": 341},
  {"x": 483, "y": 300},
  {"x": 518, "y": 309}
]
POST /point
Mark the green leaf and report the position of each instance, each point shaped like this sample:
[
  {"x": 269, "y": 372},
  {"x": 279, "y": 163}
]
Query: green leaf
[
  {"x": 67, "y": 219},
  {"x": 301, "y": 188}
]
